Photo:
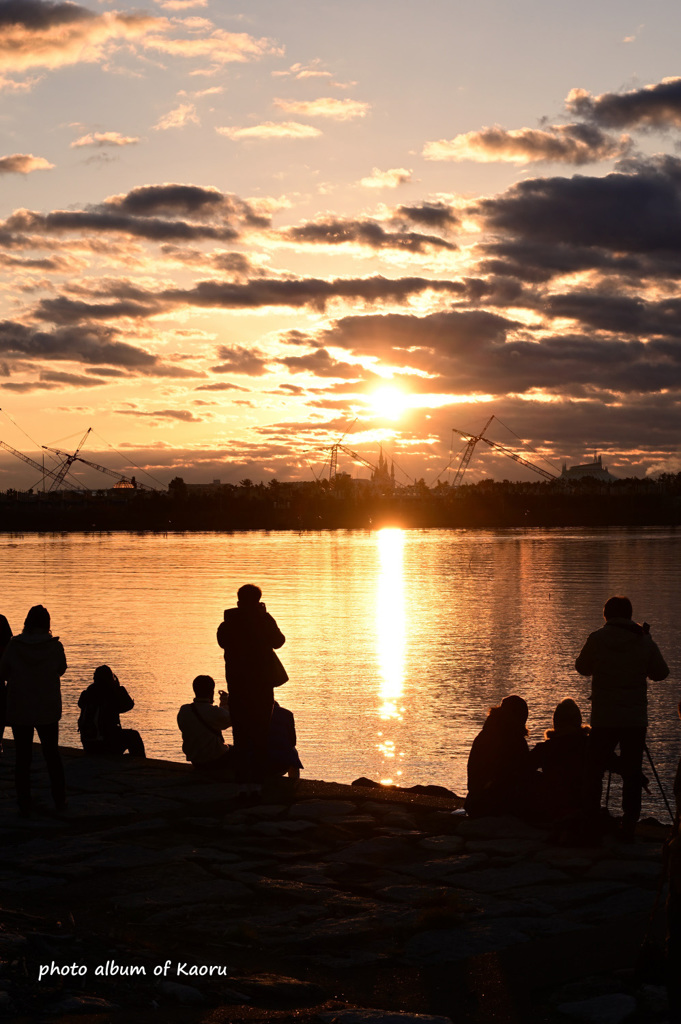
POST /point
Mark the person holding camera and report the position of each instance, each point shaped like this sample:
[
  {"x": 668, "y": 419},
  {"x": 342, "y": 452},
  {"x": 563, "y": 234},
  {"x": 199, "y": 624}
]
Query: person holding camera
[
  {"x": 202, "y": 724},
  {"x": 99, "y": 724},
  {"x": 249, "y": 636},
  {"x": 620, "y": 657}
]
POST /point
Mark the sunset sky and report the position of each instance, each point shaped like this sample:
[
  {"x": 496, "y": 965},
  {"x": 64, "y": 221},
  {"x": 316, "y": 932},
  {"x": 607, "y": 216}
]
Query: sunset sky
[{"x": 231, "y": 233}]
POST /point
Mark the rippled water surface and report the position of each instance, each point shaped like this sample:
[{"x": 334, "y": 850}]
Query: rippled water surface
[{"x": 397, "y": 641}]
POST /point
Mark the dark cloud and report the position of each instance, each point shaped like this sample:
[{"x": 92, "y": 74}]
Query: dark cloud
[
  {"x": 220, "y": 387},
  {"x": 27, "y": 386},
  {"x": 469, "y": 352},
  {"x": 40, "y": 14},
  {"x": 157, "y": 213},
  {"x": 322, "y": 365},
  {"x": 83, "y": 344},
  {"x": 365, "y": 233},
  {"x": 193, "y": 201},
  {"x": 314, "y": 292},
  {"x": 163, "y": 414},
  {"x": 90, "y": 344},
  {"x": 73, "y": 379},
  {"x": 654, "y": 106},
  {"x": 237, "y": 359},
  {"x": 634, "y": 212},
  {"x": 575, "y": 144},
  {"x": 433, "y": 215}
]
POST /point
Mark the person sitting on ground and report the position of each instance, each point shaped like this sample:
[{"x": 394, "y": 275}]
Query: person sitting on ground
[
  {"x": 99, "y": 724},
  {"x": 499, "y": 771},
  {"x": 202, "y": 724},
  {"x": 5, "y": 637},
  {"x": 562, "y": 758},
  {"x": 282, "y": 755}
]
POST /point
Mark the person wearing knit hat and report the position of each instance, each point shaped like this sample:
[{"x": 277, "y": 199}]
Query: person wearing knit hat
[{"x": 562, "y": 760}]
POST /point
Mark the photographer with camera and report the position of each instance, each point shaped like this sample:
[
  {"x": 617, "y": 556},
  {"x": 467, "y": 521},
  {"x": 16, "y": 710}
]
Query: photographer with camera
[
  {"x": 620, "y": 657},
  {"x": 99, "y": 724},
  {"x": 202, "y": 724}
]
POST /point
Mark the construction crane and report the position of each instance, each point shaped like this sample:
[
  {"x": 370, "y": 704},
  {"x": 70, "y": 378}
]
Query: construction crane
[
  {"x": 68, "y": 461},
  {"x": 468, "y": 453},
  {"x": 52, "y": 473},
  {"x": 95, "y": 465},
  {"x": 473, "y": 440}
]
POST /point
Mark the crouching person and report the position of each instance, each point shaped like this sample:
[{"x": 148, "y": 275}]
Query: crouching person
[
  {"x": 282, "y": 756},
  {"x": 99, "y": 724},
  {"x": 202, "y": 724}
]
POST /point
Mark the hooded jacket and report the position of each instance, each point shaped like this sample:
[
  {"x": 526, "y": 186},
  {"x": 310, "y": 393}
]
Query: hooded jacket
[
  {"x": 33, "y": 664},
  {"x": 620, "y": 657}
]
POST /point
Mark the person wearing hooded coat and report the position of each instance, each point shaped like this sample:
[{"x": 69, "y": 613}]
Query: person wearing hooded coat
[
  {"x": 499, "y": 772},
  {"x": 33, "y": 664}
]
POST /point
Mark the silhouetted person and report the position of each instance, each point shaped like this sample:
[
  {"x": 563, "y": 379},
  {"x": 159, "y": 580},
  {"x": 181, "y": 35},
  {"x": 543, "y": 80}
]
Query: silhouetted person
[
  {"x": 5, "y": 637},
  {"x": 562, "y": 758},
  {"x": 499, "y": 762},
  {"x": 202, "y": 724},
  {"x": 99, "y": 724},
  {"x": 282, "y": 756},
  {"x": 249, "y": 636},
  {"x": 33, "y": 664},
  {"x": 620, "y": 657},
  {"x": 674, "y": 908}
]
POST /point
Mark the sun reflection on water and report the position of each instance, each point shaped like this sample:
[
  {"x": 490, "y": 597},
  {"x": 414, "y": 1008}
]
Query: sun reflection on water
[{"x": 390, "y": 633}]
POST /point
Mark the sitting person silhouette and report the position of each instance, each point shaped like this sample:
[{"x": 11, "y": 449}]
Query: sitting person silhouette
[
  {"x": 202, "y": 725},
  {"x": 499, "y": 763},
  {"x": 99, "y": 724},
  {"x": 562, "y": 759},
  {"x": 282, "y": 756}
]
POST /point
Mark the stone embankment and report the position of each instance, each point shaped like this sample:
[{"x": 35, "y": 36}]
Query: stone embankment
[{"x": 156, "y": 897}]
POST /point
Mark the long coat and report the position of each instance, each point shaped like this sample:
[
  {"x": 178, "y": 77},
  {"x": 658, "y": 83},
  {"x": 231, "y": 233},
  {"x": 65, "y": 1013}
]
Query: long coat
[{"x": 33, "y": 664}]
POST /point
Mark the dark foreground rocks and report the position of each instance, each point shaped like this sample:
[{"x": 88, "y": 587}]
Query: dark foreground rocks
[{"x": 156, "y": 897}]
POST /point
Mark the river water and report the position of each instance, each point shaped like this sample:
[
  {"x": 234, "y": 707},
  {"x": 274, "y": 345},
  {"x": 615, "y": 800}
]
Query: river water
[{"x": 397, "y": 641}]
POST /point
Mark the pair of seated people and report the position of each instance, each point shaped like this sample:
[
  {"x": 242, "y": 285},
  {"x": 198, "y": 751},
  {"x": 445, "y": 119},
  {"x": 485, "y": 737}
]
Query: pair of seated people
[
  {"x": 202, "y": 724},
  {"x": 99, "y": 724},
  {"x": 550, "y": 783}
]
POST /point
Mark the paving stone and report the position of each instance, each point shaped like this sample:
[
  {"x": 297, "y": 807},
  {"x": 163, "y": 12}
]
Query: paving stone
[
  {"x": 434, "y": 870},
  {"x": 318, "y": 810},
  {"x": 379, "y": 1017},
  {"x": 630, "y": 901},
  {"x": 371, "y": 851},
  {"x": 608, "y": 1009},
  {"x": 211, "y": 890},
  {"x": 502, "y": 847},
  {"x": 280, "y": 991},
  {"x": 497, "y": 879},
  {"x": 569, "y": 895},
  {"x": 443, "y": 844},
  {"x": 499, "y": 828},
  {"x": 622, "y": 870},
  {"x": 448, "y": 945}
]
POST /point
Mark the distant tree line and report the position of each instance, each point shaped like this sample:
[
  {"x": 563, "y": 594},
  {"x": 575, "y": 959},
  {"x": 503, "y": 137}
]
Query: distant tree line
[{"x": 350, "y": 504}]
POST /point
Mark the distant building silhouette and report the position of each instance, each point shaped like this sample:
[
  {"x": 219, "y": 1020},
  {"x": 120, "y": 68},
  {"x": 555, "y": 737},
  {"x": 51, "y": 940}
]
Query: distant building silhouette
[{"x": 594, "y": 469}]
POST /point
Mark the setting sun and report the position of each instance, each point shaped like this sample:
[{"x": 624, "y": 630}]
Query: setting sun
[{"x": 389, "y": 402}]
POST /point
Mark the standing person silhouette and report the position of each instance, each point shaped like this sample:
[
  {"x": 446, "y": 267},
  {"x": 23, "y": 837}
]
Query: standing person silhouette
[
  {"x": 5, "y": 637},
  {"x": 249, "y": 637},
  {"x": 620, "y": 657},
  {"x": 33, "y": 664}
]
